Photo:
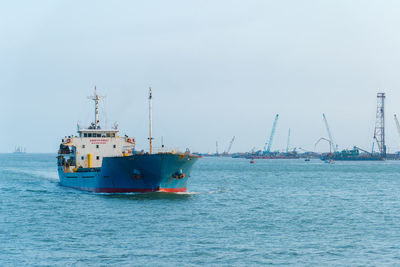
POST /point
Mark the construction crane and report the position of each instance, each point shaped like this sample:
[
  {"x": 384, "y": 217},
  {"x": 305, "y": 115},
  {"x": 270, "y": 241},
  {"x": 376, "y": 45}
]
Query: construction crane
[
  {"x": 363, "y": 150},
  {"x": 397, "y": 124},
  {"x": 288, "y": 142},
  {"x": 305, "y": 150},
  {"x": 267, "y": 147},
  {"x": 230, "y": 146},
  {"x": 331, "y": 142}
]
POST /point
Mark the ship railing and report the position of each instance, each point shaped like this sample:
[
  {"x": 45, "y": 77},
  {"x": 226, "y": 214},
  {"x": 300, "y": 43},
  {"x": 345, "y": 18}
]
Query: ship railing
[
  {"x": 161, "y": 150},
  {"x": 156, "y": 150}
]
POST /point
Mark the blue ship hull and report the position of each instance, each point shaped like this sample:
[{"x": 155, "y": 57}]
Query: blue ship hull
[{"x": 137, "y": 173}]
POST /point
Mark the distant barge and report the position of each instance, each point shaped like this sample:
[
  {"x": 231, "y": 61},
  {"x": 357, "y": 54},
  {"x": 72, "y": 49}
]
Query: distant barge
[
  {"x": 271, "y": 155},
  {"x": 352, "y": 155}
]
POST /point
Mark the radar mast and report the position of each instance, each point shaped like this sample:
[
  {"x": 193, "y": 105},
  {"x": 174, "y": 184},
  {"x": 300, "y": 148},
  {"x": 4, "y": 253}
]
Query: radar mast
[
  {"x": 150, "y": 121},
  {"x": 96, "y": 98}
]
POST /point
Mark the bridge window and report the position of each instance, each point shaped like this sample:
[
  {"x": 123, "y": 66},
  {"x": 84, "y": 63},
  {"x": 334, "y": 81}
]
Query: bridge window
[
  {"x": 113, "y": 135},
  {"x": 89, "y": 134},
  {"x": 98, "y": 135},
  {"x": 97, "y": 157},
  {"x": 108, "y": 135},
  {"x": 85, "y": 135}
]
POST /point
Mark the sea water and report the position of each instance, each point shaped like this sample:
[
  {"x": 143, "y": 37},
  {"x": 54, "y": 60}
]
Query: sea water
[{"x": 273, "y": 212}]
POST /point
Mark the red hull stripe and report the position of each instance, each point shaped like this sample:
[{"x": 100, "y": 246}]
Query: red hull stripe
[
  {"x": 131, "y": 190},
  {"x": 172, "y": 190}
]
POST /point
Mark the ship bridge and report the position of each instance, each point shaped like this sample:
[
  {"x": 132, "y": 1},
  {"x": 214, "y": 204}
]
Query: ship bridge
[
  {"x": 97, "y": 133},
  {"x": 92, "y": 144}
]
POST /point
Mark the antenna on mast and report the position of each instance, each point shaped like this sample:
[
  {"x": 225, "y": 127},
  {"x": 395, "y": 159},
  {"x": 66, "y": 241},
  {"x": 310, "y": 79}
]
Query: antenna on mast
[
  {"x": 150, "y": 120},
  {"x": 96, "y": 98}
]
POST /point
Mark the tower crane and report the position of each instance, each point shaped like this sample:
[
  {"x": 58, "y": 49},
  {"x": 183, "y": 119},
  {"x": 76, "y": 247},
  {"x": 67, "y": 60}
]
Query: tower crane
[
  {"x": 271, "y": 137},
  {"x": 331, "y": 142}
]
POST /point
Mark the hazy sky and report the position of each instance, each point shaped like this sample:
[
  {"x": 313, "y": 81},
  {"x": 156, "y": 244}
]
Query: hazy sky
[{"x": 217, "y": 68}]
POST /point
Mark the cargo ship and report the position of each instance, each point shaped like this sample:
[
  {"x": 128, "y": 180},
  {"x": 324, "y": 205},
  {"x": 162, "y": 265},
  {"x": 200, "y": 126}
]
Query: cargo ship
[{"x": 100, "y": 160}]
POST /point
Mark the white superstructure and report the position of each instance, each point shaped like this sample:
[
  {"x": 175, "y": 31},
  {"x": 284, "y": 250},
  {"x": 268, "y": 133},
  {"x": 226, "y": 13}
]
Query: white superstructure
[{"x": 91, "y": 145}]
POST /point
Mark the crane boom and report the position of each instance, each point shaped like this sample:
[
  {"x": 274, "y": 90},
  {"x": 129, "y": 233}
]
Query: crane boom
[
  {"x": 288, "y": 142},
  {"x": 363, "y": 150},
  {"x": 271, "y": 137},
  {"x": 397, "y": 124},
  {"x": 302, "y": 149},
  {"x": 327, "y": 140},
  {"x": 230, "y": 145},
  {"x": 332, "y": 143}
]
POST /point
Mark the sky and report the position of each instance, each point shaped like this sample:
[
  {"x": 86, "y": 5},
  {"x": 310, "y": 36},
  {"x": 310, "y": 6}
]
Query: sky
[{"x": 218, "y": 69}]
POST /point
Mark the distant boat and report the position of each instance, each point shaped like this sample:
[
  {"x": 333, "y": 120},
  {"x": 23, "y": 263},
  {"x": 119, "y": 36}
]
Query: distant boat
[{"x": 20, "y": 150}]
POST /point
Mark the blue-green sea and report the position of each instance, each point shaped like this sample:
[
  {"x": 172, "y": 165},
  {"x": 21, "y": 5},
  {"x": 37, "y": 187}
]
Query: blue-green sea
[{"x": 273, "y": 212}]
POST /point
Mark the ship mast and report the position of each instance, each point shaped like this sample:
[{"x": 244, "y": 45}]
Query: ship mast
[
  {"x": 150, "y": 120},
  {"x": 96, "y": 98}
]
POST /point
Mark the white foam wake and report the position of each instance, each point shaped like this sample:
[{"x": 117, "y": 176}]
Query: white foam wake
[{"x": 49, "y": 175}]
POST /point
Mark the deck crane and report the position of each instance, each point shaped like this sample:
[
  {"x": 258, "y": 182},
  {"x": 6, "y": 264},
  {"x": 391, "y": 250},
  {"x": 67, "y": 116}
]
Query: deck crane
[
  {"x": 397, "y": 124},
  {"x": 332, "y": 143},
  {"x": 267, "y": 147},
  {"x": 230, "y": 146}
]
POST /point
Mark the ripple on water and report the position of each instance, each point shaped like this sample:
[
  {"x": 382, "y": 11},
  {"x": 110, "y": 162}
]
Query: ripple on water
[{"x": 235, "y": 213}]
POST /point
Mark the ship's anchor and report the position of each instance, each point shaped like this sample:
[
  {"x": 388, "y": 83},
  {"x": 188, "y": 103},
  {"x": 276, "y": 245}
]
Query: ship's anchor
[{"x": 179, "y": 174}]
